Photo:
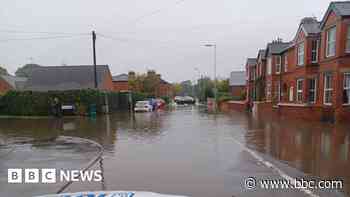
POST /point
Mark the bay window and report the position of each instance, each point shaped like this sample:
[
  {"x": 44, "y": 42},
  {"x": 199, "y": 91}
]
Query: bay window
[
  {"x": 278, "y": 64},
  {"x": 331, "y": 39},
  {"x": 300, "y": 84},
  {"x": 314, "y": 51},
  {"x": 268, "y": 90},
  {"x": 269, "y": 66},
  {"x": 286, "y": 63},
  {"x": 312, "y": 91},
  {"x": 301, "y": 52},
  {"x": 328, "y": 89}
]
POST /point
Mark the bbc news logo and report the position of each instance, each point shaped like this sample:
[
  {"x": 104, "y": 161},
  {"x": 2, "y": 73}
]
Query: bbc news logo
[{"x": 32, "y": 175}]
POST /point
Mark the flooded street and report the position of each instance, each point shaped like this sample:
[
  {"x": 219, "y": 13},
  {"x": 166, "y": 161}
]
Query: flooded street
[{"x": 185, "y": 151}]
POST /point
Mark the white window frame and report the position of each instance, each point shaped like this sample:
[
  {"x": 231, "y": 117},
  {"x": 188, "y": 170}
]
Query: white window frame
[
  {"x": 327, "y": 89},
  {"x": 346, "y": 89},
  {"x": 279, "y": 96},
  {"x": 300, "y": 91},
  {"x": 269, "y": 66},
  {"x": 291, "y": 94},
  {"x": 269, "y": 90},
  {"x": 286, "y": 63},
  {"x": 314, "y": 51},
  {"x": 278, "y": 64},
  {"x": 331, "y": 42},
  {"x": 301, "y": 54},
  {"x": 347, "y": 47},
  {"x": 314, "y": 91}
]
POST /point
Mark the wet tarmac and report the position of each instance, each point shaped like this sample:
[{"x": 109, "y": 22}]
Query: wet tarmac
[{"x": 185, "y": 151}]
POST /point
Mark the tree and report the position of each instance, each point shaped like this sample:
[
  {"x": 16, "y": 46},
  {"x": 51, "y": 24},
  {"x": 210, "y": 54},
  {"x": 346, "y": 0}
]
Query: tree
[
  {"x": 223, "y": 85},
  {"x": 205, "y": 88},
  {"x": 3, "y": 71},
  {"x": 144, "y": 83},
  {"x": 177, "y": 88},
  {"x": 151, "y": 82},
  {"x": 26, "y": 70}
]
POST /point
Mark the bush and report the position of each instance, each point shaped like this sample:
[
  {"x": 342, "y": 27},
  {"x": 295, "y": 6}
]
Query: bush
[
  {"x": 28, "y": 103},
  {"x": 225, "y": 96}
]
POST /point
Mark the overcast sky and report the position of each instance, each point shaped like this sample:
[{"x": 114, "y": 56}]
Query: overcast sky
[{"x": 165, "y": 35}]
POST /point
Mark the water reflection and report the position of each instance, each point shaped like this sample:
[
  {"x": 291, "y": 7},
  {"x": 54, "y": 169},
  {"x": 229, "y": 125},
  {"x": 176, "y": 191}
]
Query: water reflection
[
  {"x": 182, "y": 151},
  {"x": 103, "y": 129},
  {"x": 318, "y": 149},
  {"x": 34, "y": 143}
]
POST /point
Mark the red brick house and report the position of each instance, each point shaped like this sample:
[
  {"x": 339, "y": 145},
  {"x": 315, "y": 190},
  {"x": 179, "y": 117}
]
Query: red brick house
[
  {"x": 4, "y": 86},
  {"x": 251, "y": 76},
  {"x": 121, "y": 83},
  {"x": 261, "y": 76},
  {"x": 309, "y": 77},
  {"x": 334, "y": 62},
  {"x": 8, "y": 82},
  {"x": 273, "y": 70},
  {"x": 165, "y": 89}
]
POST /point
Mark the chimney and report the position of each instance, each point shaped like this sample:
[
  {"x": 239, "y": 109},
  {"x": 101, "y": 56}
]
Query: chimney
[
  {"x": 131, "y": 74},
  {"x": 151, "y": 72}
]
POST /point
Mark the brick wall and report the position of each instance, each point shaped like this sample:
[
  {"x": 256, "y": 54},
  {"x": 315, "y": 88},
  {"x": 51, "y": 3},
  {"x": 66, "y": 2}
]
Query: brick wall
[
  {"x": 4, "y": 87},
  {"x": 228, "y": 106},
  {"x": 108, "y": 83},
  {"x": 237, "y": 91},
  {"x": 165, "y": 90},
  {"x": 120, "y": 86},
  {"x": 301, "y": 112}
]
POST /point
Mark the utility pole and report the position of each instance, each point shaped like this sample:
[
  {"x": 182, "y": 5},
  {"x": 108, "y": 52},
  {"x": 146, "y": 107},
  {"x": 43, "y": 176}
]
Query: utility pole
[
  {"x": 215, "y": 77},
  {"x": 94, "y": 56}
]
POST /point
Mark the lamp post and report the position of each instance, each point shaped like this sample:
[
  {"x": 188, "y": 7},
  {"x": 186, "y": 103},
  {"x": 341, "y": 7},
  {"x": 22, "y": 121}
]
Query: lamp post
[{"x": 215, "y": 79}]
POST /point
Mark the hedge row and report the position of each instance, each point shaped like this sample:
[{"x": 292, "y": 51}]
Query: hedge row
[{"x": 30, "y": 103}]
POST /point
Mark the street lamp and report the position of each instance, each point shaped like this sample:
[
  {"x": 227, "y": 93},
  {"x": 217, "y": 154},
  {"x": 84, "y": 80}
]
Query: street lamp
[{"x": 215, "y": 89}]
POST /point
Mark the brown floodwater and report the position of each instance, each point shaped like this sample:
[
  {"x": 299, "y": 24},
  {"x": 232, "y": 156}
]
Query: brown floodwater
[{"x": 185, "y": 151}]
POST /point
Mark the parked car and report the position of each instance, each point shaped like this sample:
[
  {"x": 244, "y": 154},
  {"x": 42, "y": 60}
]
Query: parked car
[
  {"x": 186, "y": 100},
  {"x": 143, "y": 106}
]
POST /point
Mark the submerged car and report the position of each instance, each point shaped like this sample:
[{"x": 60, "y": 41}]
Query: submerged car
[{"x": 143, "y": 106}]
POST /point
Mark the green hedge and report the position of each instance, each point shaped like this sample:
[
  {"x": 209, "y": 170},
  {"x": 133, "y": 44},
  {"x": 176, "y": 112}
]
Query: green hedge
[
  {"x": 225, "y": 96},
  {"x": 30, "y": 103}
]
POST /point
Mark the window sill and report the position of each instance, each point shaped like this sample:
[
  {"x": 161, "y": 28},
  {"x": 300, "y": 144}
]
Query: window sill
[
  {"x": 331, "y": 56},
  {"x": 237, "y": 102},
  {"x": 293, "y": 104}
]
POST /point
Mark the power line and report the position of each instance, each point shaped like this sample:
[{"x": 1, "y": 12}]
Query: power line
[
  {"x": 168, "y": 44},
  {"x": 154, "y": 12},
  {"x": 38, "y": 38},
  {"x": 39, "y": 32}
]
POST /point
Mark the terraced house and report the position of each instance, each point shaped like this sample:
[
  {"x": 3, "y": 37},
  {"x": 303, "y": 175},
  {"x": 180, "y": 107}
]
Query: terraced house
[{"x": 309, "y": 77}]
